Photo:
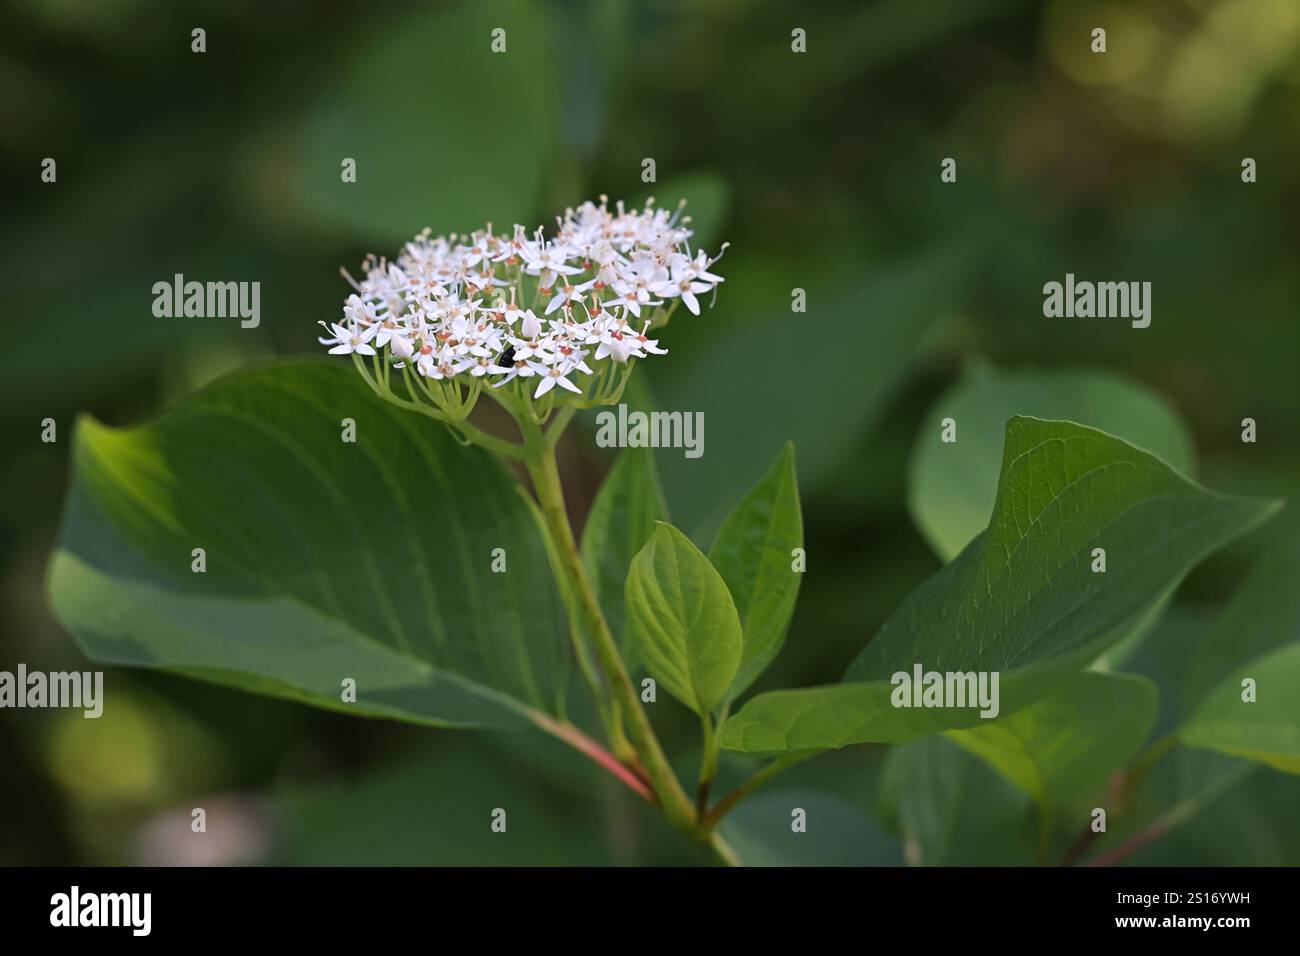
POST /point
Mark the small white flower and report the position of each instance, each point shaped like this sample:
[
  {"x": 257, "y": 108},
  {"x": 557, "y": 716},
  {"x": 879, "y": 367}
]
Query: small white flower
[
  {"x": 566, "y": 295},
  {"x": 350, "y": 340},
  {"x": 548, "y": 259},
  {"x": 550, "y": 377},
  {"x": 531, "y": 326},
  {"x": 615, "y": 342},
  {"x": 648, "y": 346},
  {"x": 402, "y": 346},
  {"x": 519, "y": 370},
  {"x": 681, "y": 284}
]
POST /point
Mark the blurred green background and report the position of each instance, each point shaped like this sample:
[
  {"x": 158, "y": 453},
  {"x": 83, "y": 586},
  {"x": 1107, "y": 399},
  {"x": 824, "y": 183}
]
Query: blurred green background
[{"x": 822, "y": 171}]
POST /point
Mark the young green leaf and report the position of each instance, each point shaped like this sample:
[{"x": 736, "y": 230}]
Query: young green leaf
[
  {"x": 754, "y": 554},
  {"x": 1066, "y": 744},
  {"x": 1262, "y": 723},
  {"x": 683, "y": 621},
  {"x": 1026, "y": 599},
  {"x": 621, "y": 520},
  {"x": 951, "y": 486},
  {"x": 401, "y": 561}
]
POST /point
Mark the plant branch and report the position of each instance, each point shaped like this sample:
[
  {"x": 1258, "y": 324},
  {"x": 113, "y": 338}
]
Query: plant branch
[
  {"x": 723, "y": 849},
  {"x": 481, "y": 438},
  {"x": 540, "y": 461},
  {"x": 1176, "y": 816},
  {"x": 1121, "y": 787},
  {"x": 727, "y": 803},
  {"x": 580, "y": 742},
  {"x": 1150, "y": 757},
  {"x": 708, "y": 765},
  {"x": 558, "y": 424}
]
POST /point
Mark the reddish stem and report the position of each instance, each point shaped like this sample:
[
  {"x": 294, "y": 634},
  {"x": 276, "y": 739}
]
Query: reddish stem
[
  {"x": 1140, "y": 841},
  {"x": 580, "y": 742}
]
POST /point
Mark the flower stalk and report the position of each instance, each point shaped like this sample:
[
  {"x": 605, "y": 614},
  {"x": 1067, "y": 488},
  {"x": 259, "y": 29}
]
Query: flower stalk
[{"x": 540, "y": 461}]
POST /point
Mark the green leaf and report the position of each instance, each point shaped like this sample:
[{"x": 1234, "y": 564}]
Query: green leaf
[
  {"x": 752, "y": 552},
  {"x": 952, "y": 485},
  {"x": 1264, "y": 614},
  {"x": 951, "y": 809},
  {"x": 1066, "y": 744},
  {"x": 621, "y": 520},
  {"x": 419, "y": 141},
  {"x": 1256, "y": 636},
  {"x": 434, "y": 808},
  {"x": 1021, "y": 600},
  {"x": 683, "y": 620},
  {"x": 837, "y": 834},
  {"x": 1266, "y": 729},
  {"x": 325, "y": 559}
]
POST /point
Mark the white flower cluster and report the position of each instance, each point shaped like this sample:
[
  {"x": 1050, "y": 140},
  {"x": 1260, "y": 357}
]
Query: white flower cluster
[{"x": 471, "y": 307}]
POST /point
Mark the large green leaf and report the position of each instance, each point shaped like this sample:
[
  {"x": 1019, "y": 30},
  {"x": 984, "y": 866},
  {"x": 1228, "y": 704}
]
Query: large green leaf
[
  {"x": 1022, "y": 599},
  {"x": 1267, "y": 728},
  {"x": 684, "y": 623},
  {"x": 621, "y": 520},
  {"x": 952, "y": 809},
  {"x": 426, "y": 149},
  {"x": 753, "y": 553},
  {"x": 1263, "y": 615},
  {"x": 835, "y": 833},
  {"x": 1256, "y": 636},
  {"x": 325, "y": 559},
  {"x": 1066, "y": 744},
  {"x": 952, "y": 485},
  {"x": 434, "y": 808}
]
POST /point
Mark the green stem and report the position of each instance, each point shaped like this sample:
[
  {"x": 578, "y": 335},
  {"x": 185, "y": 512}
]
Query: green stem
[
  {"x": 469, "y": 432},
  {"x": 539, "y": 458},
  {"x": 1044, "y": 835},
  {"x": 708, "y": 766},
  {"x": 481, "y": 438},
  {"x": 558, "y": 425},
  {"x": 727, "y": 803},
  {"x": 1149, "y": 759},
  {"x": 721, "y": 847}
]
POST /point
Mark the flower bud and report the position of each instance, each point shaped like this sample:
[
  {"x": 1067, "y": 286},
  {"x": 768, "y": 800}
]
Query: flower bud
[{"x": 401, "y": 346}]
